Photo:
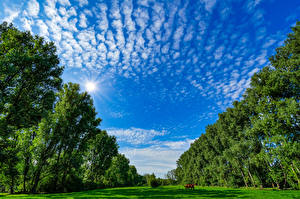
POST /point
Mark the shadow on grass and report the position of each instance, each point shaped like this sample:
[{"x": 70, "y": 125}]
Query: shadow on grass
[
  {"x": 143, "y": 192},
  {"x": 167, "y": 193}
]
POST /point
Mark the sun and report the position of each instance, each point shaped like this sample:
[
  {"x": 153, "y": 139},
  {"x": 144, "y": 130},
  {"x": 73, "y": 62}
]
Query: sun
[{"x": 90, "y": 86}]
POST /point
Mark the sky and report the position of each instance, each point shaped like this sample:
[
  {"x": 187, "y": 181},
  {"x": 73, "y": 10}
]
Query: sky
[{"x": 162, "y": 70}]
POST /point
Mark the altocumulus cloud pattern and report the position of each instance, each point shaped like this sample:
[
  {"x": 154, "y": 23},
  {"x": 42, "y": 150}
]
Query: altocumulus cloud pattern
[{"x": 186, "y": 58}]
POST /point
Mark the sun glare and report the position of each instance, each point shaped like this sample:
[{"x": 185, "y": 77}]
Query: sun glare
[{"x": 90, "y": 86}]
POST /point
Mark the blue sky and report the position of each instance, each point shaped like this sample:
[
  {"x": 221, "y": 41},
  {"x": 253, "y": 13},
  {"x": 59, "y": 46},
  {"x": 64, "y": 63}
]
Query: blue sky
[{"x": 163, "y": 69}]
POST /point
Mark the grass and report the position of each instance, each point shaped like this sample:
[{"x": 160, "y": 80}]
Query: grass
[{"x": 166, "y": 192}]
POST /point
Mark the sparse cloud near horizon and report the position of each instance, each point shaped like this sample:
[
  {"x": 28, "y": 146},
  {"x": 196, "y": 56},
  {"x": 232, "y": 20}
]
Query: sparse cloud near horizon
[{"x": 146, "y": 150}]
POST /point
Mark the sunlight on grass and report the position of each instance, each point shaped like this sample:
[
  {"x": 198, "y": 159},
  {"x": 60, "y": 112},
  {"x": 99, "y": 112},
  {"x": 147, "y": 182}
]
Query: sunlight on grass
[{"x": 168, "y": 192}]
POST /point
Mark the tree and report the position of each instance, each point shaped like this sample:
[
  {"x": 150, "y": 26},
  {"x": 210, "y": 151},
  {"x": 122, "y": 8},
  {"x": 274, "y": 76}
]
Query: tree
[
  {"x": 99, "y": 155},
  {"x": 152, "y": 181},
  {"x": 64, "y": 135},
  {"x": 29, "y": 77},
  {"x": 117, "y": 174},
  {"x": 171, "y": 176},
  {"x": 133, "y": 177},
  {"x": 275, "y": 94}
]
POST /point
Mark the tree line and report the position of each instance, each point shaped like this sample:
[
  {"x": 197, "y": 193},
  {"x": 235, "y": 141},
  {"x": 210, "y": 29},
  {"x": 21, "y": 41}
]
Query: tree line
[
  {"x": 50, "y": 139},
  {"x": 255, "y": 143}
]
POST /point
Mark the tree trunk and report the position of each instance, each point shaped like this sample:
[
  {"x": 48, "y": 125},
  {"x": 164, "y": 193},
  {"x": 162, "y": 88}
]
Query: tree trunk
[
  {"x": 57, "y": 170},
  {"x": 63, "y": 180},
  {"x": 252, "y": 180},
  {"x": 37, "y": 173},
  {"x": 284, "y": 174},
  {"x": 36, "y": 178},
  {"x": 26, "y": 169},
  {"x": 11, "y": 188},
  {"x": 244, "y": 178},
  {"x": 298, "y": 180}
]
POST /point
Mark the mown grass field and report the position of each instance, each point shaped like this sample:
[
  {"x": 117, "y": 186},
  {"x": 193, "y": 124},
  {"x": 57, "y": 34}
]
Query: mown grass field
[{"x": 167, "y": 192}]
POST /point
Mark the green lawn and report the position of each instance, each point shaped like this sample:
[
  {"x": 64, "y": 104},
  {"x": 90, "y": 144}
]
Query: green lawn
[{"x": 167, "y": 192}]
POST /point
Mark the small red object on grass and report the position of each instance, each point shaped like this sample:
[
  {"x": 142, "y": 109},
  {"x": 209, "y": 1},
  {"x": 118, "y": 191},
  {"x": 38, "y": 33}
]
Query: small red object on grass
[{"x": 189, "y": 186}]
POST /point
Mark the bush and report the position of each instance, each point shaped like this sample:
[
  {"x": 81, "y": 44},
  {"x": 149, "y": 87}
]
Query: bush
[{"x": 154, "y": 183}]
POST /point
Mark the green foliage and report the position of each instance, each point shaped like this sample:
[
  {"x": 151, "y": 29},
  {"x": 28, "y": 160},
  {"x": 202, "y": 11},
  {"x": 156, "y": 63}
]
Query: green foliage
[
  {"x": 171, "y": 178},
  {"x": 62, "y": 137},
  {"x": 29, "y": 78},
  {"x": 257, "y": 141},
  {"x": 120, "y": 173},
  {"x": 99, "y": 155},
  {"x": 152, "y": 181}
]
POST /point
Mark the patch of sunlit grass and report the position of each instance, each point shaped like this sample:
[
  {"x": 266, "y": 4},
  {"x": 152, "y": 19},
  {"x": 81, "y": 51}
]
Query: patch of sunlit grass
[{"x": 169, "y": 192}]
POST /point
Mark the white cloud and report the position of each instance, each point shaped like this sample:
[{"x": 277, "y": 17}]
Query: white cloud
[
  {"x": 209, "y": 4},
  {"x": 177, "y": 37},
  {"x": 219, "y": 52},
  {"x": 115, "y": 10},
  {"x": 88, "y": 12},
  {"x": 83, "y": 2},
  {"x": 251, "y": 73},
  {"x": 251, "y": 5},
  {"x": 178, "y": 145},
  {"x": 64, "y": 2},
  {"x": 269, "y": 43},
  {"x": 43, "y": 28},
  {"x": 158, "y": 158},
  {"x": 117, "y": 24},
  {"x": 102, "y": 17},
  {"x": 27, "y": 23},
  {"x": 11, "y": 14},
  {"x": 83, "y": 21},
  {"x": 142, "y": 17},
  {"x": 135, "y": 135},
  {"x": 33, "y": 8},
  {"x": 50, "y": 10}
]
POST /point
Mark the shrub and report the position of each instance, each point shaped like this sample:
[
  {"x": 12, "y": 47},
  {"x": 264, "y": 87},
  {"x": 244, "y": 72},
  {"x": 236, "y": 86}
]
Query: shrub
[{"x": 154, "y": 183}]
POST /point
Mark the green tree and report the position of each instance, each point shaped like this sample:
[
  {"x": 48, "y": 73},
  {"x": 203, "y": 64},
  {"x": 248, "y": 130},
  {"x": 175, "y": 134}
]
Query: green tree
[
  {"x": 29, "y": 77},
  {"x": 117, "y": 174},
  {"x": 275, "y": 95},
  {"x": 64, "y": 135},
  {"x": 133, "y": 177},
  {"x": 171, "y": 176},
  {"x": 99, "y": 155}
]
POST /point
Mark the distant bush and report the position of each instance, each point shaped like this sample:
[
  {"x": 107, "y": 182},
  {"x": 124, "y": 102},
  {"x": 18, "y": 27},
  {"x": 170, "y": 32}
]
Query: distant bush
[
  {"x": 154, "y": 183},
  {"x": 152, "y": 180}
]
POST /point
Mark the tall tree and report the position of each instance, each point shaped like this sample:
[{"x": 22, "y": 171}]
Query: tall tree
[
  {"x": 99, "y": 155},
  {"x": 275, "y": 95},
  {"x": 29, "y": 77},
  {"x": 117, "y": 174},
  {"x": 63, "y": 136}
]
